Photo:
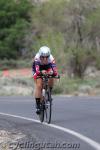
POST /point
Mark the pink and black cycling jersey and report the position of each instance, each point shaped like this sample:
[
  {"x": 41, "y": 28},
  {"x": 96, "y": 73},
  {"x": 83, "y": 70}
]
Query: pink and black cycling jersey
[{"x": 38, "y": 66}]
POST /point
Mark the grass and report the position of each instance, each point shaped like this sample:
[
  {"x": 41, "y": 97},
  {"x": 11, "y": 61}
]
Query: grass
[
  {"x": 67, "y": 85},
  {"x": 16, "y": 86}
]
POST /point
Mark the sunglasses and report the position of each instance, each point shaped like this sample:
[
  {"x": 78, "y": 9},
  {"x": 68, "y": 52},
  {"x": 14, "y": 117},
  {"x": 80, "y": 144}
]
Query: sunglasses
[{"x": 44, "y": 57}]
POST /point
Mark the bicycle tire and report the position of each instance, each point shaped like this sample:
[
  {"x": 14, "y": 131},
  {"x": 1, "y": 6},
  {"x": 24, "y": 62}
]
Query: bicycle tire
[
  {"x": 48, "y": 105},
  {"x": 41, "y": 115}
]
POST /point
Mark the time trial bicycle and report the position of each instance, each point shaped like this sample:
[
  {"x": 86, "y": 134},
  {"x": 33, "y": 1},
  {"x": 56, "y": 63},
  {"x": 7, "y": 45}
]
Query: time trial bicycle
[{"x": 46, "y": 101}]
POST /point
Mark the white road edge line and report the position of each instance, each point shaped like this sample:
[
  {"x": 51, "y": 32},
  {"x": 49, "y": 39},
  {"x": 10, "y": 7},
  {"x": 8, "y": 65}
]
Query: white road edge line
[{"x": 89, "y": 141}]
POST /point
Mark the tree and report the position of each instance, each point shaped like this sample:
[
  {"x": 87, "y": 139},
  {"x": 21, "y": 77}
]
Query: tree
[{"x": 14, "y": 26}]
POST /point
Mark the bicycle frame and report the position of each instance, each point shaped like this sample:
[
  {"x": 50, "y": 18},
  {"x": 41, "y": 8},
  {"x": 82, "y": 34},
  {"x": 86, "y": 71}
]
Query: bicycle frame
[{"x": 45, "y": 81}]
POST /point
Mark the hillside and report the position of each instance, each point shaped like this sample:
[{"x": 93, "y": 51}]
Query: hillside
[{"x": 70, "y": 28}]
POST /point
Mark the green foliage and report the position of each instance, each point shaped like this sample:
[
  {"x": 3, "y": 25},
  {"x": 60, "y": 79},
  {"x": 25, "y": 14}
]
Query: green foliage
[
  {"x": 12, "y": 64},
  {"x": 79, "y": 59},
  {"x": 72, "y": 86},
  {"x": 69, "y": 28},
  {"x": 96, "y": 56},
  {"x": 66, "y": 85},
  {"x": 55, "y": 41},
  {"x": 14, "y": 24}
]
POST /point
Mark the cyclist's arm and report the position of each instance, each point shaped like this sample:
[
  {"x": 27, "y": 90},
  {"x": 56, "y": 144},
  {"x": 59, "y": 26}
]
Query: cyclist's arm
[
  {"x": 54, "y": 68},
  {"x": 36, "y": 69}
]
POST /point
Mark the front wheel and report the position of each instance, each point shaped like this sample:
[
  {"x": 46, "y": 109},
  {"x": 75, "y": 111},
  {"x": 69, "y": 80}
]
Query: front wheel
[
  {"x": 48, "y": 106},
  {"x": 41, "y": 115}
]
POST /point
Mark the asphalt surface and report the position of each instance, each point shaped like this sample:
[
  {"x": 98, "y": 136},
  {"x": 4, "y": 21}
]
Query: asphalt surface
[{"x": 78, "y": 114}]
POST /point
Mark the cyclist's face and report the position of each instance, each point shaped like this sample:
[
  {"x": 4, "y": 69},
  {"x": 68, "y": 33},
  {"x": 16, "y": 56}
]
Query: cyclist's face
[{"x": 44, "y": 59}]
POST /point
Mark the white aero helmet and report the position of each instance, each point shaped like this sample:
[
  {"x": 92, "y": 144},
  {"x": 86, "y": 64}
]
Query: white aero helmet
[{"x": 44, "y": 51}]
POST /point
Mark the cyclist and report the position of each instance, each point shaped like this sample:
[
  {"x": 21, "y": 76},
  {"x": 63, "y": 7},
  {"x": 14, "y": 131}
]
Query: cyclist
[{"x": 43, "y": 63}]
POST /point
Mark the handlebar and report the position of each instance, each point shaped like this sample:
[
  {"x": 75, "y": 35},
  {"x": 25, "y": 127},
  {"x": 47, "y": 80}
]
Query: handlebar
[{"x": 48, "y": 76}]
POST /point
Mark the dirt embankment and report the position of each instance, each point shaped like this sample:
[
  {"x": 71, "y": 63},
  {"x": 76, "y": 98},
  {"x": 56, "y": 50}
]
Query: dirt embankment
[
  {"x": 20, "y": 82},
  {"x": 16, "y": 82}
]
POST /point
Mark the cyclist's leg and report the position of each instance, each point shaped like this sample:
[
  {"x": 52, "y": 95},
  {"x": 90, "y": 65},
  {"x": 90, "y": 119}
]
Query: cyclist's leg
[
  {"x": 51, "y": 83},
  {"x": 37, "y": 93},
  {"x": 38, "y": 88}
]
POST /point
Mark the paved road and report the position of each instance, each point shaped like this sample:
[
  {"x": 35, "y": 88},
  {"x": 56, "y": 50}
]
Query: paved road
[{"x": 79, "y": 117}]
